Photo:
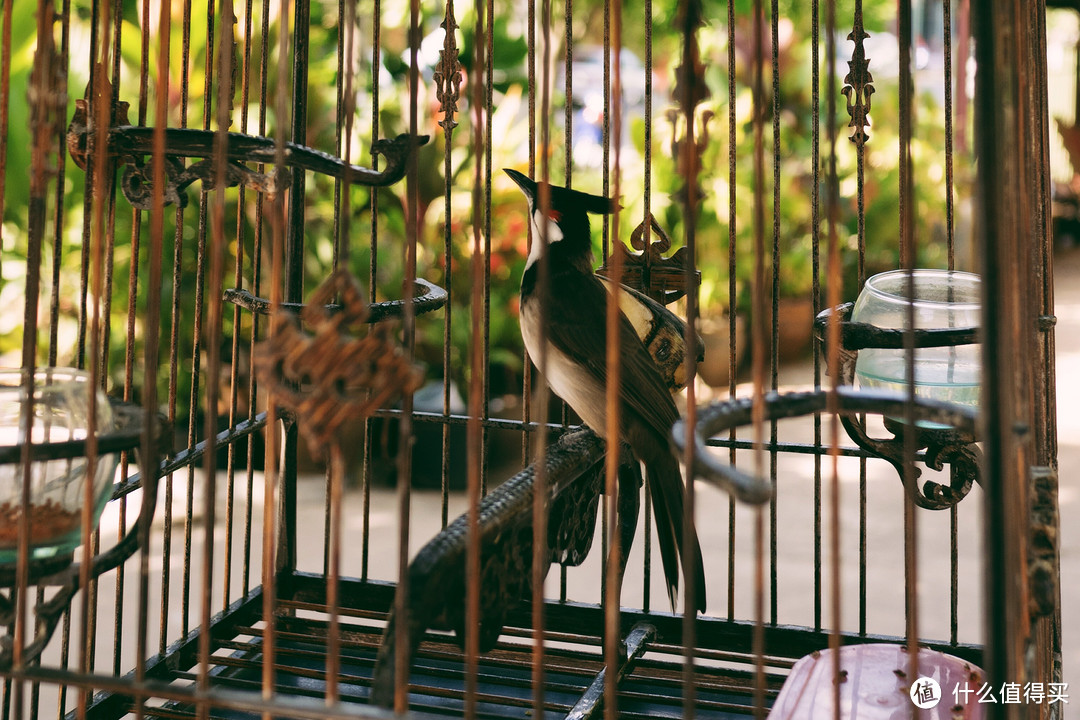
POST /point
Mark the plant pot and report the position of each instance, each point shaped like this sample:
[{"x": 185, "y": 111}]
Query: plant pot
[
  {"x": 715, "y": 370},
  {"x": 795, "y": 317}
]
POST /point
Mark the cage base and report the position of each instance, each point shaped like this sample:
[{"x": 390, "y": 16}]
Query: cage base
[{"x": 723, "y": 676}]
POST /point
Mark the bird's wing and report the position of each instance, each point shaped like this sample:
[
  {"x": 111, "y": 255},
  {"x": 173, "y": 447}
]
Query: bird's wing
[{"x": 641, "y": 387}]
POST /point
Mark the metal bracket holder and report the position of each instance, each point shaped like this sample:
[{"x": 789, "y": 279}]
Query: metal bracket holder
[
  {"x": 129, "y": 145},
  {"x": 754, "y": 490},
  {"x": 954, "y": 445}
]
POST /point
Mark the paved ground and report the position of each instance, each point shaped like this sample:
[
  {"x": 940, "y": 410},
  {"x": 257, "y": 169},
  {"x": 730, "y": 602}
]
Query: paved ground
[{"x": 1067, "y": 296}]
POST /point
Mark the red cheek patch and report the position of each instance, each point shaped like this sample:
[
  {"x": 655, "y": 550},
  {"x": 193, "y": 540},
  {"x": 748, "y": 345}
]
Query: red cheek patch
[{"x": 555, "y": 215}]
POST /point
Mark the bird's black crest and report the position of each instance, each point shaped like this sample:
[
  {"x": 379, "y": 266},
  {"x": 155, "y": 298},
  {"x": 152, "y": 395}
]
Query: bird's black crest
[
  {"x": 562, "y": 197},
  {"x": 596, "y": 204}
]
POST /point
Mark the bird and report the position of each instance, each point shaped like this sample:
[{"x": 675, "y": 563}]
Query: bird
[{"x": 576, "y": 361}]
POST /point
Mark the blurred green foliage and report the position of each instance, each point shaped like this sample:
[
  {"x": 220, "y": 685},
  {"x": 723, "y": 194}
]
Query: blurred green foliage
[{"x": 509, "y": 148}]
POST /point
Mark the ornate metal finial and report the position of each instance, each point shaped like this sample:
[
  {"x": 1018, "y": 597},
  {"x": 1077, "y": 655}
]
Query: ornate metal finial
[
  {"x": 701, "y": 142},
  {"x": 689, "y": 92},
  {"x": 690, "y": 88},
  {"x": 648, "y": 271},
  {"x": 80, "y": 129},
  {"x": 858, "y": 83},
  {"x": 332, "y": 375},
  {"x": 447, "y": 73}
]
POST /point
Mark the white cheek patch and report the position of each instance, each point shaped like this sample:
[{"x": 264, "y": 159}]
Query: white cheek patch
[{"x": 554, "y": 235}]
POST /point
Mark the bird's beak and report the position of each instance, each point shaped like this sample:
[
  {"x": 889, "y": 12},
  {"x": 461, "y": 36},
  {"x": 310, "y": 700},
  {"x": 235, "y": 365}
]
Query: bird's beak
[{"x": 527, "y": 186}]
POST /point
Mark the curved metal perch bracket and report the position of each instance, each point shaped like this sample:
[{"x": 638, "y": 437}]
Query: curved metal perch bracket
[
  {"x": 962, "y": 456},
  {"x": 949, "y": 443},
  {"x": 428, "y": 297},
  {"x": 131, "y": 144},
  {"x": 60, "y": 571}
]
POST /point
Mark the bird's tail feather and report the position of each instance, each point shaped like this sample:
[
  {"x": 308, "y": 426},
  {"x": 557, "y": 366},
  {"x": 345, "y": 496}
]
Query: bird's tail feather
[{"x": 666, "y": 489}]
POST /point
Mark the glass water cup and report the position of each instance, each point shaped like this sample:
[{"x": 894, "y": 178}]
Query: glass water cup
[
  {"x": 61, "y": 412},
  {"x": 943, "y": 299}
]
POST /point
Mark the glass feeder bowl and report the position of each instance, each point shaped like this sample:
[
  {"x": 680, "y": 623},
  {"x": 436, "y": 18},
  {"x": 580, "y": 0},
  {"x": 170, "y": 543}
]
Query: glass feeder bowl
[
  {"x": 942, "y": 299},
  {"x": 57, "y": 487}
]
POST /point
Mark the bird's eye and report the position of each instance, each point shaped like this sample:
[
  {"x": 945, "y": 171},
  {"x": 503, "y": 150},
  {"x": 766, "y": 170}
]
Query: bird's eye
[{"x": 663, "y": 352}]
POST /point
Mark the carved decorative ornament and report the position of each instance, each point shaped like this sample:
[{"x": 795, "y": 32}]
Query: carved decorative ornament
[{"x": 342, "y": 370}]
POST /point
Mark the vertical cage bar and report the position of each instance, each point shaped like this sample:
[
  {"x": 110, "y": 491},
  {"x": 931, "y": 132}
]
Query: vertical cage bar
[
  {"x": 1001, "y": 120},
  {"x": 101, "y": 111},
  {"x": 732, "y": 276},
  {"x": 954, "y": 577},
  {"x": 376, "y": 63},
  {"x": 40, "y": 97},
  {"x": 446, "y": 78},
  {"x": 294, "y": 241},
  {"x": 950, "y": 246},
  {"x": 336, "y": 260},
  {"x": 88, "y": 184},
  {"x": 489, "y": 112},
  {"x": 526, "y": 364},
  {"x": 774, "y": 354},
  {"x": 223, "y": 57},
  {"x": 539, "y": 558},
  {"x": 1045, "y": 399},
  {"x": 954, "y": 560},
  {"x": 275, "y": 476},
  {"x": 65, "y": 653},
  {"x": 106, "y": 319},
  {"x": 174, "y": 341},
  {"x": 758, "y": 349},
  {"x": 58, "y": 226},
  {"x": 947, "y": 33},
  {"x": 261, "y": 201},
  {"x": 605, "y": 131},
  {"x": 151, "y": 348},
  {"x": 858, "y": 90},
  {"x": 908, "y": 260},
  {"x": 833, "y": 290},
  {"x": 568, "y": 107},
  {"x": 5, "y": 110},
  {"x": 110, "y": 244},
  {"x": 57, "y": 245},
  {"x": 237, "y": 324},
  {"x": 612, "y": 570},
  {"x": 815, "y": 291},
  {"x": 342, "y": 255},
  {"x": 197, "y": 332},
  {"x": 294, "y": 262},
  {"x": 647, "y": 235},
  {"x": 61, "y": 174},
  {"x": 480, "y": 210},
  {"x": 404, "y": 460},
  {"x": 129, "y": 339},
  {"x": 339, "y": 120},
  {"x": 1048, "y": 628},
  {"x": 606, "y": 230},
  {"x": 692, "y": 91},
  {"x": 333, "y": 606}
]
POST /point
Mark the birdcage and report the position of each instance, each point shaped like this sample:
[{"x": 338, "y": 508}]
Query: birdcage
[{"x": 322, "y": 478}]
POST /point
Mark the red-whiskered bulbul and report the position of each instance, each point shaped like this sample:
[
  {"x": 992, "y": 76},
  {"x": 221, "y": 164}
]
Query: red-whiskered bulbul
[{"x": 576, "y": 335}]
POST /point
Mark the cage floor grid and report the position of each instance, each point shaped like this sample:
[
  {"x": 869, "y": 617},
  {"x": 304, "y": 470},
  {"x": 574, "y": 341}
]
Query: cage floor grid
[{"x": 653, "y": 689}]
